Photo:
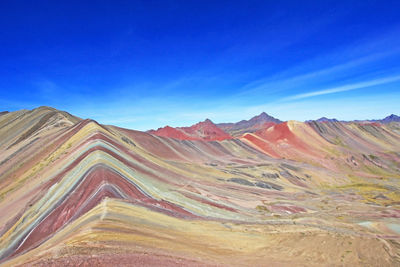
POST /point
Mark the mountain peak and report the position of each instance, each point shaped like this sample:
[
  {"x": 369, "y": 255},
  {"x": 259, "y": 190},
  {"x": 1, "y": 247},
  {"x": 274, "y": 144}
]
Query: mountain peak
[
  {"x": 264, "y": 117},
  {"x": 391, "y": 118},
  {"x": 45, "y": 108},
  {"x": 261, "y": 121},
  {"x": 204, "y": 130},
  {"x": 205, "y": 123}
]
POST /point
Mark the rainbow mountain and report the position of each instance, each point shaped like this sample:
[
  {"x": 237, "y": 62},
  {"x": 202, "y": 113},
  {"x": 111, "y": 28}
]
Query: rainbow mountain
[{"x": 260, "y": 192}]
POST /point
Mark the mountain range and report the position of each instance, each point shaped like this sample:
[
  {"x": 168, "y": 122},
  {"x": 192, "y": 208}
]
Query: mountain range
[
  {"x": 257, "y": 192},
  {"x": 209, "y": 131},
  {"x": 388, "y": 119},
  {"x": 205, "y": 130}
]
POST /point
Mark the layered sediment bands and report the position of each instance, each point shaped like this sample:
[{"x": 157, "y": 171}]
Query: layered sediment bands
[
  {"x": 96, "y": 185},
  {"x": 74, "y": 191},
  {"x": 331, "y": 144},
  {"x": 139, "y": 231}
]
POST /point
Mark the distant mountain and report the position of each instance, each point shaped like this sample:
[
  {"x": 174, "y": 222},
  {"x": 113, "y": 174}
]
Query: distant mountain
[
  {"x": 390, "y": 118},
  {"x": 323, "y": 119},
  {"x": 3, "y": 112},
  {"x": 209, "y": 131},
  {"x": 205, "y": 130},
  {"x": 256, "y": 123}
]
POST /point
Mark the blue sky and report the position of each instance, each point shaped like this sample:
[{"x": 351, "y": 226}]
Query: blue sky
[{"x": 146, "y": 64}]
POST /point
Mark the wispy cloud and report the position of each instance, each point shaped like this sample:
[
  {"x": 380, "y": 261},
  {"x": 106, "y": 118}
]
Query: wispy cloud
[
  {"x": 46, "y": 88},
  {"x": 345, "y": 88},
  {"x": 358, "y": 58}
]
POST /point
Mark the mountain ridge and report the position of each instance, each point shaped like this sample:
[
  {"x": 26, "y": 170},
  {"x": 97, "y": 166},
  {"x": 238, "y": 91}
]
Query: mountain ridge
[
  {"x": 204, "y": 130},
  {"x": 70, "y": 188},
  {"x": 255, "y": 123}
]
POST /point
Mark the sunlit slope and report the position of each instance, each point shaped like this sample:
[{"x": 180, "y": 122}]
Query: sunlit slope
[
  {"x": 119, "y": 233},
  {"x": 75, "y": 191},
  {"x": 364, "y": 148}
]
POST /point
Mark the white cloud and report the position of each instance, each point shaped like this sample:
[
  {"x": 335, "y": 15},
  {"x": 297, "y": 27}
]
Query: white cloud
[{"x": 345, "y": 88}]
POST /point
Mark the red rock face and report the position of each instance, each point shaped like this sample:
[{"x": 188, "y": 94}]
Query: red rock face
[
  {"x": 262, "y": 144},
  {"x": 205, "y": 130},
  {"x": 171, "y": 132},
  {"x": 279, "y": 141},
  {"x": 282, "y": 132}
]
